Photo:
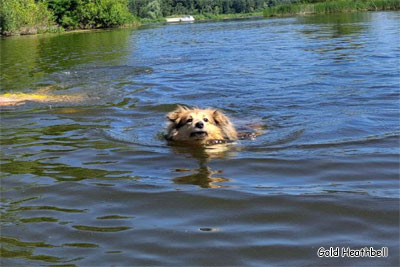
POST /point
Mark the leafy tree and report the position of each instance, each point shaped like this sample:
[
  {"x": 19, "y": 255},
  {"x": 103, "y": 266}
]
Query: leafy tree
[
  {"x": 24, "y": 17},
  {"x": 90, "y": 13},
  {"x": 152, "y": 10},
  {"x": 65, "y": 12},
  {"x": 103, "y": 13}
]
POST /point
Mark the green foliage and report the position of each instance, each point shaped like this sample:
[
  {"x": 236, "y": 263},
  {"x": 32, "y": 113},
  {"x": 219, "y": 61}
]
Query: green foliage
[
  {"x": 74, "y": 14},
  {"x": 104, "y": 13},
  {"x": 65, "y": 12},
  {"x": 30, "y": 16},
  {"x": 25, "y": 17},
  {"x": 154, "y": 9}
]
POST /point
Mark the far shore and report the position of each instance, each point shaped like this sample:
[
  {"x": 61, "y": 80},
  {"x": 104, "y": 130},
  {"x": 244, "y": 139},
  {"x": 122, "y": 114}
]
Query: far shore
[
  {"x": 146, "y": 22},
  {"x": 276, "y": 11},
  {"x": 330, "y": 7}
]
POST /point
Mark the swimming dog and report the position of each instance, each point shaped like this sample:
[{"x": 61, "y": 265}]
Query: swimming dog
[{"x": 200, "y": 126}]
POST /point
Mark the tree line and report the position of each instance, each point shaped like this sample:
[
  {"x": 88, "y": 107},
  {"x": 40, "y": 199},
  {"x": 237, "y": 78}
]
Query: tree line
[
  {"x": 163, "y": 8},
  {"x": 32, "y": 16}
]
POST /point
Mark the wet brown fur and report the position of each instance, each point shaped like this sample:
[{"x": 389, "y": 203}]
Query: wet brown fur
[{"x": 183, "y": 122}]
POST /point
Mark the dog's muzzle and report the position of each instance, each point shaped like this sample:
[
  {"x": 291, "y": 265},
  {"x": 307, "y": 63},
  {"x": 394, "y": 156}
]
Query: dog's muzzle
[{"x": 199, "y": 134}]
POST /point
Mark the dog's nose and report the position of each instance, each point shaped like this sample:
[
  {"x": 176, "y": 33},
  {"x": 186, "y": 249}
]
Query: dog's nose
[{"x": 199, "y": 125}]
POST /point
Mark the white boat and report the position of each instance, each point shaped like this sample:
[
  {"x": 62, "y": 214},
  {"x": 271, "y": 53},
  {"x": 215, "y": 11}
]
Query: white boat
[{"x": 181, "y": 19}]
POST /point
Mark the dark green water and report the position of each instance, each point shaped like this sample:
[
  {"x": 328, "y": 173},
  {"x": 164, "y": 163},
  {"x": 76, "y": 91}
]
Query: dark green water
[{"x": 94, "y": 183}]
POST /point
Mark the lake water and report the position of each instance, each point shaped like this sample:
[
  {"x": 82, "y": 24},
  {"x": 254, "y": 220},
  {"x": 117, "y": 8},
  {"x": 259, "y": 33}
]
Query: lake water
[{"x": 94, "y": 183}]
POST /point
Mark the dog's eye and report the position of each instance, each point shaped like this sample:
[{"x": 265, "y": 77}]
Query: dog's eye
[
  {"x": 189, "y": 120},
  {"x": 205, "y": 119}
]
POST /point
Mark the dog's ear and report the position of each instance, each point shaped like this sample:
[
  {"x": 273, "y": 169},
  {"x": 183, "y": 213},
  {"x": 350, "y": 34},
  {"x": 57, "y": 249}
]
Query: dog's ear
[
  {"x": 176, "y": 115},
  {"x": 220, "y": 118},
  {"x": 225, "y": 125}
]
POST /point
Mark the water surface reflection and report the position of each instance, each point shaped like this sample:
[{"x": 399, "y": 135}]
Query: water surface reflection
[
  {"x": 203, "y": 176},
  {"x": 28, "y": 60}
]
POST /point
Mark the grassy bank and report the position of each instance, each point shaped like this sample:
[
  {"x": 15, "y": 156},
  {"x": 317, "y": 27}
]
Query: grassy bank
[
  {"x": 227, "y": 16},
  {"x": 331, "y": 6}
]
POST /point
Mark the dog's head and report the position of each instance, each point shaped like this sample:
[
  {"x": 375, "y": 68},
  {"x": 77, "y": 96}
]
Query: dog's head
[{"x": 199, "y": 125}]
